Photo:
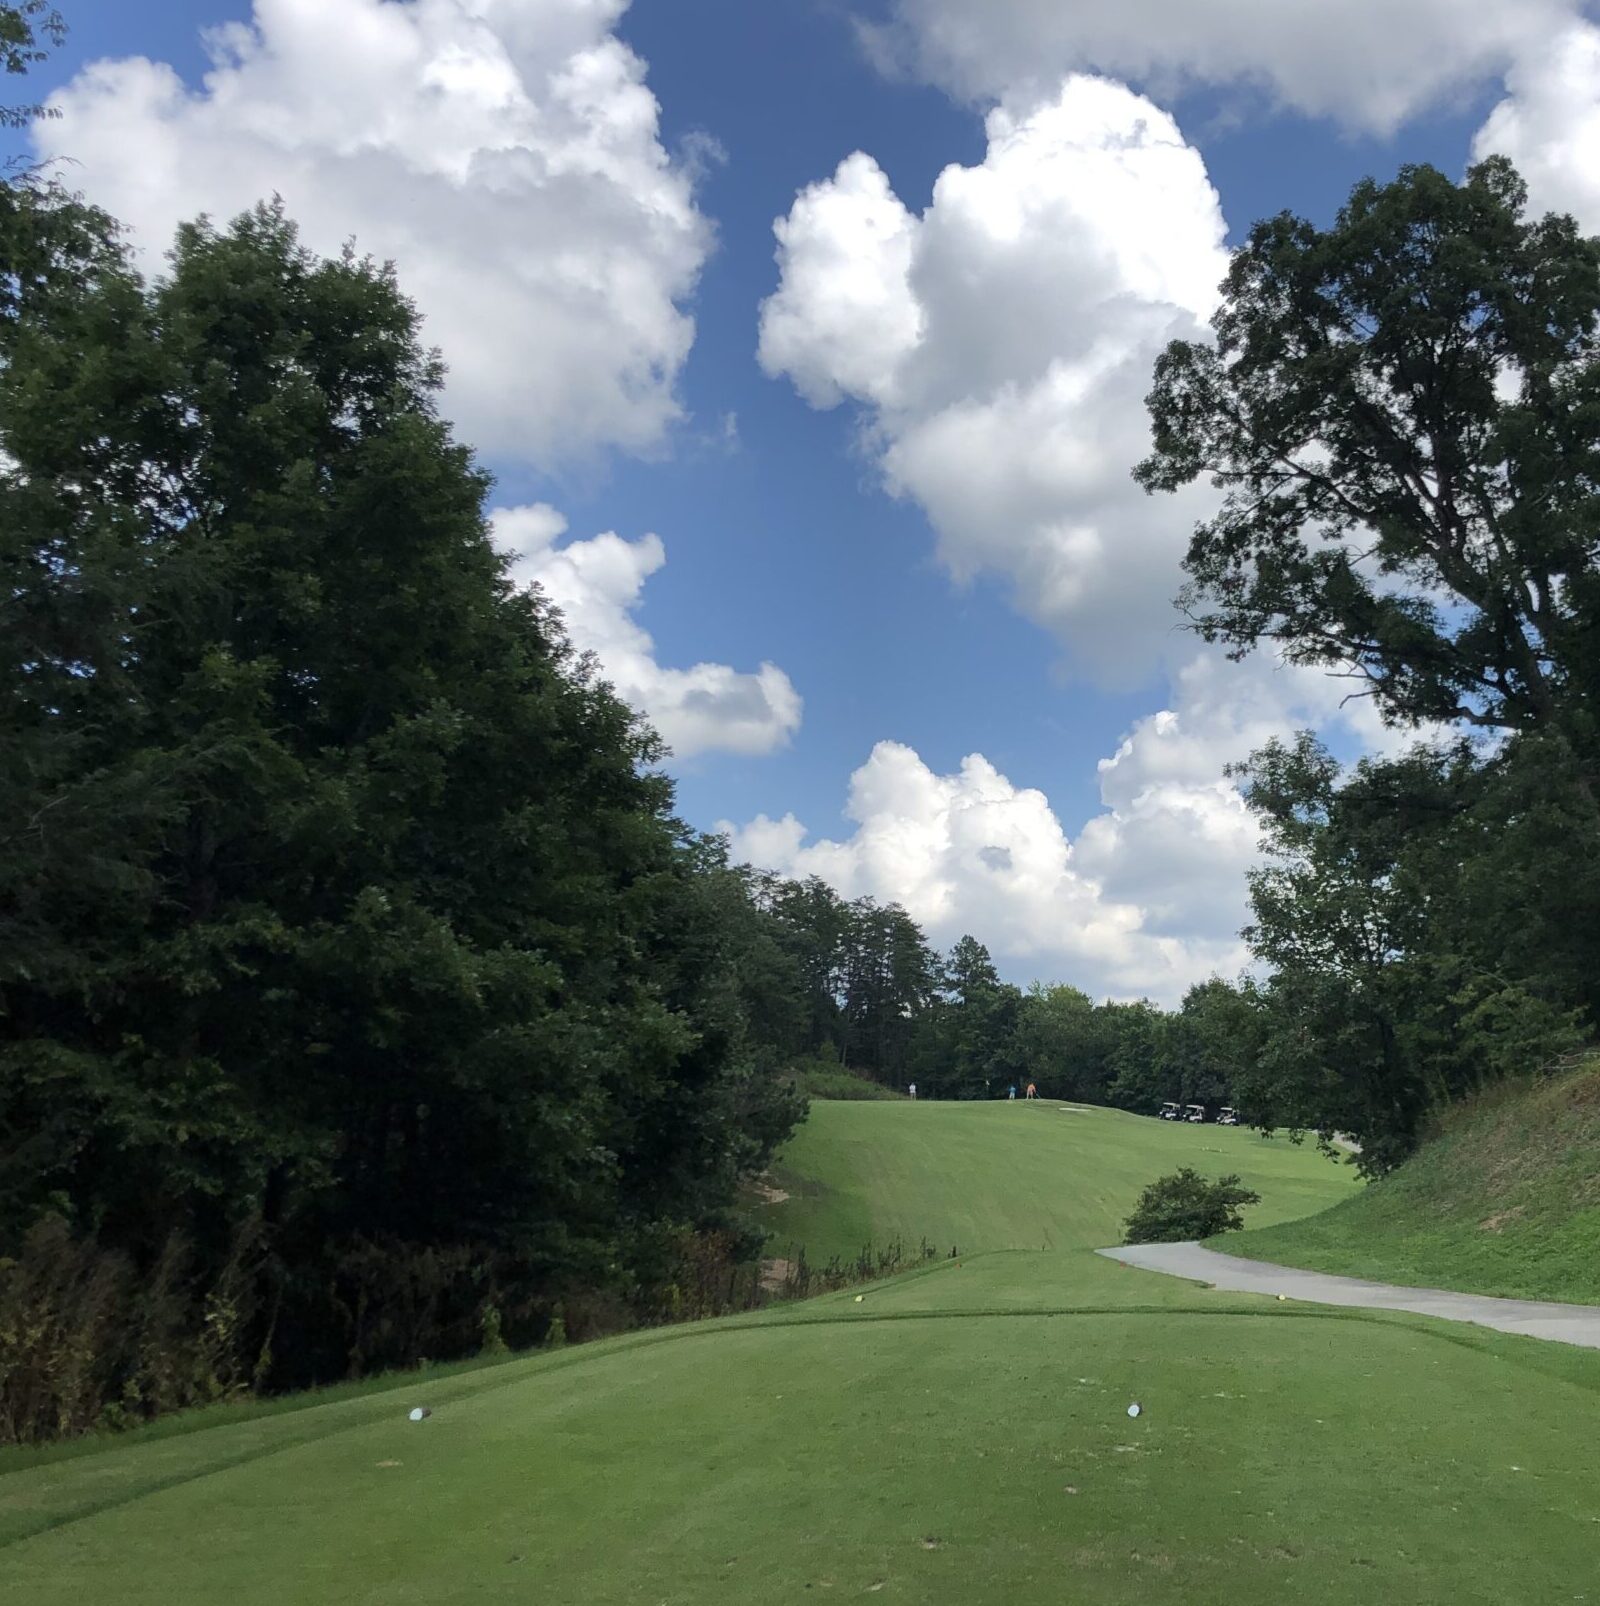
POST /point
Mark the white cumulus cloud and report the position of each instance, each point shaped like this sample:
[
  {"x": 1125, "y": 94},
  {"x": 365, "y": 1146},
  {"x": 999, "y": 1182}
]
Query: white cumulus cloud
[
  {"x": 1367, "y": 63},
  {"x": 1549, "y": 124},
  {"x": 1001, "y": 344},
  {"x": 598, "y": 584},
  {"x": 504, "y": 153},
  {"x": 972, "y": 852},
  {"x": 1150, "y": 896}
]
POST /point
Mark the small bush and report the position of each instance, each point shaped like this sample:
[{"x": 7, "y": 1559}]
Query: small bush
[
  {"x": 1185, "y": 1206},
  {"x": 494, "y": 1338}
]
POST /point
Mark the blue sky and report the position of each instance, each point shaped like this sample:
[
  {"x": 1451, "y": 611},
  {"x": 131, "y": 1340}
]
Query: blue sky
[{"x": 781, "y": 542}]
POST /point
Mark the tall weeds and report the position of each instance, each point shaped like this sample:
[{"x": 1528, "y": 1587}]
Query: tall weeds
[{"x": 88, "y": 1341}]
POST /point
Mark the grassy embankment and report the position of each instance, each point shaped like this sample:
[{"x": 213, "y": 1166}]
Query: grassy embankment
[
  {"x": 958, "y": 1435},
  {"x": 1503, "y": 1199}
]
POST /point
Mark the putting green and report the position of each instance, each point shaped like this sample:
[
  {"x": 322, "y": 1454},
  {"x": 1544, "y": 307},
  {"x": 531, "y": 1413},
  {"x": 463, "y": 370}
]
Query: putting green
[{"x": 959, "y": 1435}]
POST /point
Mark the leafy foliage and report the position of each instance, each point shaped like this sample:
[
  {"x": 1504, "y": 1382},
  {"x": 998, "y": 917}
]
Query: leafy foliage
[
  {"x": 27, "y": 29},
  {"x": 1411, "y": 914},
  {"x": 1184, "y": 1206},
  {"x": 1401, "y": 410},
  {"x": 340, "y": 901}
]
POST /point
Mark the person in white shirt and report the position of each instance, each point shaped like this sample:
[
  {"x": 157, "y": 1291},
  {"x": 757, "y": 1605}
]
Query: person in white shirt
[{"x": 913, "y": 1090}]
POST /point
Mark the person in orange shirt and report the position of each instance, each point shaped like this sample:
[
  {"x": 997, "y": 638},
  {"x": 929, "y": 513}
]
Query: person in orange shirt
[{"x": 1033, "y": 1092}]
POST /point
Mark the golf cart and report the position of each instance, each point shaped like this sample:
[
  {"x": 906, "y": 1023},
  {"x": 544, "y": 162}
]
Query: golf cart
[
  {"x": 1194, "y": 1112},
  {"x": 1169, "y": 1111},
  {"x": 1228, "y": 1116}
]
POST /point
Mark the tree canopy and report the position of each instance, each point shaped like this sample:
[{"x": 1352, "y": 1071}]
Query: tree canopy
[{"x": 1402, "y": 411}]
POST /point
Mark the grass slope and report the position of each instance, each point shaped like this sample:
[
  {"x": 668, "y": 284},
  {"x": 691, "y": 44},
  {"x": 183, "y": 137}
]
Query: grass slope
[
  {"x": 958, "y": 1435},
  {"x": 1504, "y": 1200},
  {"x": 1023, "y": 1175}
]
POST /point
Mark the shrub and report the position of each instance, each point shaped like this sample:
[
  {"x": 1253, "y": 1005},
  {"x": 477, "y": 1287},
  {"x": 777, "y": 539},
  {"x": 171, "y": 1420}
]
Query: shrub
[
  {"x": 820, "y": 1080},
  {"x": 1184, "y": 1206},
  {"x": 494, "y": 1338}
]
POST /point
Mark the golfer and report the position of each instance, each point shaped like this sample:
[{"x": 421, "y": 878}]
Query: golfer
[
  {"x": 913, "y": 1090},
  {"x": 1033, "y": 1092}
]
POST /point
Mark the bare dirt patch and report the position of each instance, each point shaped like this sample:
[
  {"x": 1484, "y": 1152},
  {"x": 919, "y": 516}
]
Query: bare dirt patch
[
  {"x": 1497, "y": 1222},
  {"x": 768, "y": 1194},
  {"x": 775, "y": 1274}
]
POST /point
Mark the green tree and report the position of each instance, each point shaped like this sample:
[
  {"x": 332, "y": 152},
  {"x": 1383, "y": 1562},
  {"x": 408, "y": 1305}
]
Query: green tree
[
  {"x": 1392, "y": 988},
  {"x": 1142, "y": 1075},
  {"x": 1065, "y": 1043},
  {"x": 28, "y": 28},
  {"x": 1222, "y": 1036},
  {"x": 817, "y": 922},
  {"x": 975, "y": 1049},
  {"x": 887, "y": 979},
  {"x": 340, "y": 898},
  {"x": 1402, "y": 410}
]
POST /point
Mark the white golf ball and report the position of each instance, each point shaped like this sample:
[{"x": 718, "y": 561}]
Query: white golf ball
[
  {"x": 417, "y": 1414},
  {"x": 1135, "y": 1408},
  {"x": 859, "y": 1298}
]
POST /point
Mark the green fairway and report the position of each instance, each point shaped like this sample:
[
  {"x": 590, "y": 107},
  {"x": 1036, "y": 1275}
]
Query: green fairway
[
  {"x": 1034, "y": 1175},
  {"x": 958, "y": 1434}
]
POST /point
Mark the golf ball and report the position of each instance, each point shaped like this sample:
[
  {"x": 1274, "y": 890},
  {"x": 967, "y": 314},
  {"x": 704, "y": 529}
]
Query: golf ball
[
  {"x": 1135, "y": 1408},
  {"x": 859, "y": 1298}
]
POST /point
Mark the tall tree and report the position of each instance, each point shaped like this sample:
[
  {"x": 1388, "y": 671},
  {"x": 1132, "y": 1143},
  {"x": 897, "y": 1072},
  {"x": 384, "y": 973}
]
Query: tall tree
[
  {"x": 979, "y": 1047},
  {"x": 817, "y": 921},
  {"x": 339, "y": 896},
  {"x": 887, "y": 981},
  {"x": 1065, "y": 1043},
  {"x": 1402, "y": 409}
]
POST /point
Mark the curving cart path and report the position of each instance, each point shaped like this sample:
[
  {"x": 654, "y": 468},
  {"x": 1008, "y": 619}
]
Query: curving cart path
[{"x": 1566, "y": 1324}]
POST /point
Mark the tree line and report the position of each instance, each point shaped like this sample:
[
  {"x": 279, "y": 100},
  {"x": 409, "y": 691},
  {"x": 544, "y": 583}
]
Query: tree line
[{"x": 866, "y": 994}]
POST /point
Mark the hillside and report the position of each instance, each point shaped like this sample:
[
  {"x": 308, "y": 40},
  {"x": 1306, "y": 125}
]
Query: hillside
[
  {"x": 1017, "y": 1175},
  {"x": 1503, "y": 1199}
]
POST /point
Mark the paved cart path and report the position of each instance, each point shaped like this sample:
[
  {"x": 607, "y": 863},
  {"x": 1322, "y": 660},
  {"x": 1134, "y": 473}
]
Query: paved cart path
[{"x": 1567, "y": 1324}]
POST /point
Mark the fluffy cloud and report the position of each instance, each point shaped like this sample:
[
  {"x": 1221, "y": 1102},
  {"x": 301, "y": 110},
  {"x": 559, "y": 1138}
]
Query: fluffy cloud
[
  {"x": 1175, "y": 838},
  {"x": 1001, "y": 345},
  {"x": 1151, "y": 895},
  {"x": 597, "y": 585},
  {"x": 973, "y": 852},
  {"x": 1549, "y": 124},
  {"x": 504, "y": 153},
  {"x": 1369, "y": 63}
]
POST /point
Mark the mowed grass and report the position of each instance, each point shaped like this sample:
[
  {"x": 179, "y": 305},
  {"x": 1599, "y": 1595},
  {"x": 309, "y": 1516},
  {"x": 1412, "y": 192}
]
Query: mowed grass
[
  {"x": 1504, "y": 1199},
  {"x": 959, "y": 1434},
  {"x": 1024, "y": 1175}
]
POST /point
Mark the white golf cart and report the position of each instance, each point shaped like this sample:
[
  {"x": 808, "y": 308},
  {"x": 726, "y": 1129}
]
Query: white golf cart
[
  {"x": 1169, "y": 1111},
  {"x": 1228, "y": 1116},
  {"x": 1194, "y": 1112}
]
